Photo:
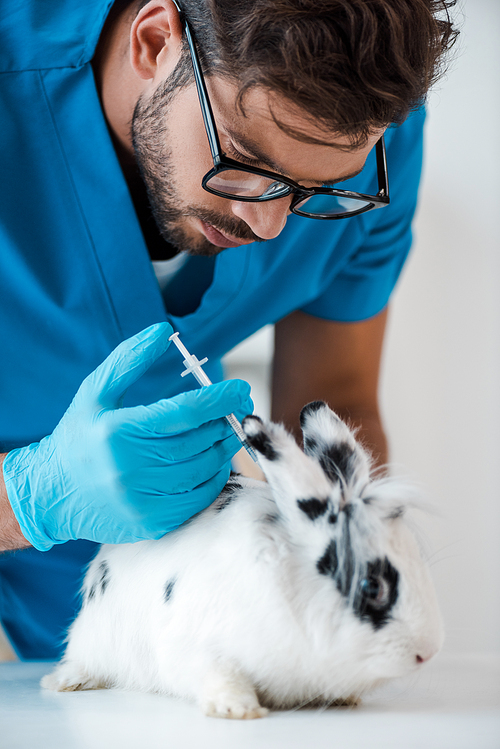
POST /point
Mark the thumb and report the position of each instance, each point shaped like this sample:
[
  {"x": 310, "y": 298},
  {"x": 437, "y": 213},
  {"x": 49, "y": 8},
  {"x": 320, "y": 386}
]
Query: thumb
[{"x": 109, "y": 382}]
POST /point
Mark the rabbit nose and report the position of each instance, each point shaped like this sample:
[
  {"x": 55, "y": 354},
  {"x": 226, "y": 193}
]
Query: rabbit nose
[
  {"x": 426, "y": 654},
  {"x": 427, "y": 646}
]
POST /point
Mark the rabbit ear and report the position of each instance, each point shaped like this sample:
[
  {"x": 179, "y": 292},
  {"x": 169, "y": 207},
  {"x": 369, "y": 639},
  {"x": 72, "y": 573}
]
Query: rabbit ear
[
  {"x": 332, "y": 444},
  {"x": 296, "y": 480}
]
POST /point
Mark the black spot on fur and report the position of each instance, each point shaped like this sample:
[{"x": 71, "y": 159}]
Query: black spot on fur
[
  {"x": 338, "y": 561},
  {"x": 348, "y": 510},
  {"x": 271, "y": 517},
  {"x": 347, "y": 565},
  {"x": 313, "y": 508},
  {"x": 229, "y": 492},
  {"x": 338, "y": 461},
  {"x": 310, "y": 445},
  {"x": 223, "y": 501},
  {"x": 262, "y": 443},
  {"x": 101, "y": 583},
  {"x": 328, "y": 563},
  {"x": 104, "y": 576},
  {"x": 378, "y": 593},
  {"x": 332, "y": 518},
  {"x": 309, "y": 409},
  {"x": 167, "y": 591},
  {"x": 396, "y": 513}
]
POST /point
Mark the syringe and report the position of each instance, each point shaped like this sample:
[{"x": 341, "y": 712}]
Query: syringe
[{"x": 194, "y": 367}]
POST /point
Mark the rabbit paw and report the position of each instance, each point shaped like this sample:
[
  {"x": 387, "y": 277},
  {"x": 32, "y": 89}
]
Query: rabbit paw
[
  {"x": 231, "y": 705},
  {"x": 69, "y": 677},
  {"x": 230, "y": 696}
]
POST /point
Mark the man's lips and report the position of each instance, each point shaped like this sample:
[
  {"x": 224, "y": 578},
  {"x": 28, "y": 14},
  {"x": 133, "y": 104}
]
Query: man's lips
[{"x": 219, "y": 239}]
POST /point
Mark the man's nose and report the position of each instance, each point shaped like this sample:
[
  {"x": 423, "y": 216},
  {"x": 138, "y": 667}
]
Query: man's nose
[{"x": 266, "y": 219}]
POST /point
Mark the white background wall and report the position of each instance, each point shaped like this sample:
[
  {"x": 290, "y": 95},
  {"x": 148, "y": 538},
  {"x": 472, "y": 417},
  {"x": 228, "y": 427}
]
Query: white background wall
[{"x": 441, "y": 373}]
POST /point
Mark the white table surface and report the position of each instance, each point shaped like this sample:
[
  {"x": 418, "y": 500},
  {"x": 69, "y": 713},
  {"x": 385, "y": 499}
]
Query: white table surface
[{"x": 452, "y": 704}]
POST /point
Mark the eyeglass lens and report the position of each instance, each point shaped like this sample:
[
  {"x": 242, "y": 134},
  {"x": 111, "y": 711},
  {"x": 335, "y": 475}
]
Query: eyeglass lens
[
  {"x": 236, "y": 183},
  {"x": 331, "y": 205}
]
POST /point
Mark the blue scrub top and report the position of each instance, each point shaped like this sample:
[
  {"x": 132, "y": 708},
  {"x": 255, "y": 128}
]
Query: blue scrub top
[{"x": 76, "y": 277}]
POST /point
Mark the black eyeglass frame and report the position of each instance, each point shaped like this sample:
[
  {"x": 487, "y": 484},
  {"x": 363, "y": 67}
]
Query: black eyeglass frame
[{"x": 224, "y": 163}]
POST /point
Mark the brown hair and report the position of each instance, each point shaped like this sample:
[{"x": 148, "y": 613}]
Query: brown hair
[{"x": 353, "y": 66}]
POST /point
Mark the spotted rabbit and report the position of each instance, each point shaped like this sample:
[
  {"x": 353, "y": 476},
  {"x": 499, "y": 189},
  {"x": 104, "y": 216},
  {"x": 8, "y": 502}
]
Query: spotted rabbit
[{"x": 308, "y": 588}]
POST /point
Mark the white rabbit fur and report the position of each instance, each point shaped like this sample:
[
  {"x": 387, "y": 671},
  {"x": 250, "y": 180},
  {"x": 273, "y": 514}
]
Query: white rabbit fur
[{"x": 307, "y": 588}]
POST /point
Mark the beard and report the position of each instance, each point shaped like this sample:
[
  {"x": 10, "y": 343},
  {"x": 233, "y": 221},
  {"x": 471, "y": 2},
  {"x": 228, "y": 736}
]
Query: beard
[{"x": 155, "y": 162}]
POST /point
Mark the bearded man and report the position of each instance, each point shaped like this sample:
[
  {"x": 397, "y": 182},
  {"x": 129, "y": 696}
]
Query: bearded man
[{"x": 209, "y": 167}]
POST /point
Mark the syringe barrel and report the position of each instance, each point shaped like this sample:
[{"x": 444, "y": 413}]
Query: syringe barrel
[
  {"x": 236, "y": 427},
  {"x": 238, "y": 430},
  {"x": 194, "y": 366},
  {"x": 200, "y": 375}
]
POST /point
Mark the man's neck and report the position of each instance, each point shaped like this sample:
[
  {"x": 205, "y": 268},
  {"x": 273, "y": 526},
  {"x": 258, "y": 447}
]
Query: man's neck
[
  {"x": 118, "y": 93},
  {"x": 117, "y": 87}
]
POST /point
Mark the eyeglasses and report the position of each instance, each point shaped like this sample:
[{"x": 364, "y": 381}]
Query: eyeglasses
[{"x": 233, "y": 180}]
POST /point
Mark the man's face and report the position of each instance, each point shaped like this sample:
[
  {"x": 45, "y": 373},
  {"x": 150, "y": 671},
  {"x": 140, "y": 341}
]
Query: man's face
[{"x": 172, "y": 151}]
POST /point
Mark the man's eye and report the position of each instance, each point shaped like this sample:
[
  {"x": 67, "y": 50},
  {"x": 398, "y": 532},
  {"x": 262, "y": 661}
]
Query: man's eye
[{"x": 234, "y": 154}]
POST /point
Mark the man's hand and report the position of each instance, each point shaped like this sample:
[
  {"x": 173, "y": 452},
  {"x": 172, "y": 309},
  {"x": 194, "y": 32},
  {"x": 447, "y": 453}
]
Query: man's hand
[{"x": 113, "y": 475}]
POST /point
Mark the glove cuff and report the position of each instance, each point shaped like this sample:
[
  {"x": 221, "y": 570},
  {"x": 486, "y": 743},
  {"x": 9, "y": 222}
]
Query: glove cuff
[{"x": 26, "y": 505}]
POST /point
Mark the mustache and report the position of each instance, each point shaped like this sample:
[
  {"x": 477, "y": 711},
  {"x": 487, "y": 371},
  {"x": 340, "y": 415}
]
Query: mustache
[{"x": 226, "y": 224}]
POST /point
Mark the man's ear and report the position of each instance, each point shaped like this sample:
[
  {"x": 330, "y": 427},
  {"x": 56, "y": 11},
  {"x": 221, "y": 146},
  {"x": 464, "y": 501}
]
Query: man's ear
[{"x": 155, "y": 39}]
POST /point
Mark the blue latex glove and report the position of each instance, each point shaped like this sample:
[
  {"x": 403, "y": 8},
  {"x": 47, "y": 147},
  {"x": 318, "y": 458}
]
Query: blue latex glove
[{"x": 113, "y": 475}]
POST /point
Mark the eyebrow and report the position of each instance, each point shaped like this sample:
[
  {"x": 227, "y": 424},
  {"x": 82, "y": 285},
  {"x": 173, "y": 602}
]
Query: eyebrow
[{"x": 253, "y": 150}]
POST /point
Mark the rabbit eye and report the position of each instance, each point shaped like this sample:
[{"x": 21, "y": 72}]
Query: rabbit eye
[{"x": 376, "y": 591}]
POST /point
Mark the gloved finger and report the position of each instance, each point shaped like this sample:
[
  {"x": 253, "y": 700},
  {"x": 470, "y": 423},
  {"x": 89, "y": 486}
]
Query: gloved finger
[
  {"x": 161, "y": 476},
  {"x": 187, "y": 504},
  {"x": 179, "y": 447},
  {"x": 132, "y": 358},
  {"x": 189, "y": 410},
  {"x": 247, "y": 409},
  {"x": 188, "y": 444}
]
